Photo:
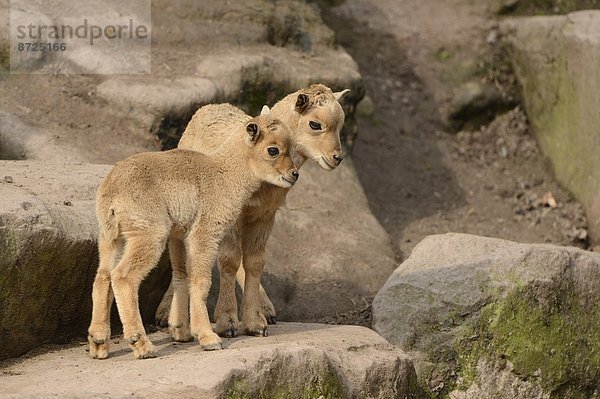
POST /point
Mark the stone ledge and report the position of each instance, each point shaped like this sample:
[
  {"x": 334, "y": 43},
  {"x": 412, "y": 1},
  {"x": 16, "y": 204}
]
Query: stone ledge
[{"x": 295, "y": 360}]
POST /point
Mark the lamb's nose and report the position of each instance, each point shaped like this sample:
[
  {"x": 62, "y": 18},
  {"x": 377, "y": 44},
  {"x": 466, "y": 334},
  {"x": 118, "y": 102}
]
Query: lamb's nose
[
  {"x": 295, "y": 174},
  {"x": 338, "y": 158}
]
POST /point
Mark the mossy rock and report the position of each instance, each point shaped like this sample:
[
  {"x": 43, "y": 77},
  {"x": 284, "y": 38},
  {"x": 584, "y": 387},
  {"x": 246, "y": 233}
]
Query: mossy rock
[
  {"x": 555, "y": 60},
  {"x": 488, "y": 318}
]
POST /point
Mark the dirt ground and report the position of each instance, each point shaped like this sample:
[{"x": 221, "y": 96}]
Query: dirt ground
[{"x": 420, "y": 177}]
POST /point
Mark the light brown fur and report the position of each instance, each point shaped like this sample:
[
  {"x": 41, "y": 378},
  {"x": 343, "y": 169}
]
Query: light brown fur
[
  {"x": 246, "y": 242},
  {"x": 183, "y": 196}
]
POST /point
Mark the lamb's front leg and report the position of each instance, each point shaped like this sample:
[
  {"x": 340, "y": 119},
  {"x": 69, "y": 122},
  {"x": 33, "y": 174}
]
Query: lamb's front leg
[
  {"x": 254, "y": 243},
  {"x": 202, "y": 251},
  {"x": 226, "y": 311}
]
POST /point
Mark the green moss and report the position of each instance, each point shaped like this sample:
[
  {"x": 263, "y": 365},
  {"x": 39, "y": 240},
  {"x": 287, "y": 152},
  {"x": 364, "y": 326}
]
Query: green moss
[
  {"x": 239, "y": 390},
  {"x": 442, "y": 55},
  {"x": 258, "y": 91},
  {"x": 554, "y": 340},
  {"x": 325, "y": 385},
  {"x": 550, "y": 7}
]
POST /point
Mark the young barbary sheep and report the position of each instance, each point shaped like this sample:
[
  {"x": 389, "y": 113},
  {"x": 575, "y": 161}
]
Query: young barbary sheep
[
  {"x": 181, "y": 195},
  {"x": 315, "y": 118}
]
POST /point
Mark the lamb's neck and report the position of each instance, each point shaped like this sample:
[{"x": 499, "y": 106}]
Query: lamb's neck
[{"x": 238, "y": 177}]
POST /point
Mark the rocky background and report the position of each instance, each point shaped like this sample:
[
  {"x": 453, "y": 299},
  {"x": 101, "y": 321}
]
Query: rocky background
[{"x": 477, "y": 117}]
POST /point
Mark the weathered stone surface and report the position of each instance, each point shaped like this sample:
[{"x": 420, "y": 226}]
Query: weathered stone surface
[
  {"x": 556, "y": 60},
  {"x": 495, "y": 319},
  {"x": 320, "y": 261},
  {"x": 296, "y": 360},
  {"x": 48, "y": 254},
  {"x": 20, "y": 140},
  {"x": 158, "y": 96},
  {"x": 248, "y": 53}
]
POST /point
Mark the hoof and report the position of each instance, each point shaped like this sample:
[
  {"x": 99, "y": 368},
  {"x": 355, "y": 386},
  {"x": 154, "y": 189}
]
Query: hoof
[
  {"x": 231, "y": 333},
  {"x": 271, "y": 320},
  {"x": 227, "y": 326},
  {"x": 98, "y": 347},
  {"x": 260, "y": 332},
  {"x": 211, "y": 342},
  {"x": 142, "y": 347},
  {"x": 147, "y": 355},
  {"x": 212, "y": 347}
]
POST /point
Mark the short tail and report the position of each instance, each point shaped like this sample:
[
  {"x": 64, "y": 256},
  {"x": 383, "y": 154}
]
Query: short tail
[{"x": 107, "y": 221}]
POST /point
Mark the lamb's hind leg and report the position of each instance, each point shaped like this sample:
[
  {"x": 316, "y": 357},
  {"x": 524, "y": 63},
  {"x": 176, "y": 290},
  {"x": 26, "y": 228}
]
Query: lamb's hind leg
[
  {"x": 179, "y": 316},
  {"x": 142, "y": 252},
  {"x": 265, "y": 303},
  {"x": 226, "y": 311},
  {"x": 102, "y": 298},
  {"x": 161, "y": 317}
]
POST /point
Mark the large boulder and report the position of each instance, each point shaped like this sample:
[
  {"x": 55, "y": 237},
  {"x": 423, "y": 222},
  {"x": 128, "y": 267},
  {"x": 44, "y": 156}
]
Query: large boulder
[
  {"x": 555, "y": 59},
  {"x": 488, "y": 318},
  {"x": 295, "y": 361},
  {"x": 49, "y": 256}
]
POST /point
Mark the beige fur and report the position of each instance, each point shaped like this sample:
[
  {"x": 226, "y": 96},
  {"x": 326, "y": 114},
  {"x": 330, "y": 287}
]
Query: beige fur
[
  {"x": 247, "y": 241},
  {"x": 185, "y": 197}
]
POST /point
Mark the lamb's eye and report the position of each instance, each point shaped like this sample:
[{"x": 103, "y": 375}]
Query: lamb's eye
[
  {"x": 273, "y": 151},
  {"x": 314, "y": 125}
]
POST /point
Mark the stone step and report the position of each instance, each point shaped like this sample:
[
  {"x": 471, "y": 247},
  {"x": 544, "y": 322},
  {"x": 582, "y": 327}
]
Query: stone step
[{"x": 296, "y": 360}]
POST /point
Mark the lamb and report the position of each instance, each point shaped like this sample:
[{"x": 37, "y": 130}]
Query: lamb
[
  {"x": 151, "y": 198},
  {"x": 315, "y": 118}
]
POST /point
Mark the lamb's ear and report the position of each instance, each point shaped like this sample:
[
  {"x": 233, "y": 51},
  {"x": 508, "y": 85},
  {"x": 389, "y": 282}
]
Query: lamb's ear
[
  {"x": 301, "y": 103},
  {"x": 340, "y": 94},
  {"x": 253, "y": 131},
  {"x": 265, "y": 111}
]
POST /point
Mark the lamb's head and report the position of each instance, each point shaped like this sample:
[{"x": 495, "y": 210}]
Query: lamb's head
[
  {"x": 321, "y": 119},
  {"x": 272, "y": 150}
]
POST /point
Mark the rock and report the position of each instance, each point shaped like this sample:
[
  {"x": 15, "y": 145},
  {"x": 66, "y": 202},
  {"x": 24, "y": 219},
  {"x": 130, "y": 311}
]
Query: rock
[
  {"x": 296, "y": 360},
  {"x": 250, "y": 54},
  {"x": 321, "y": 262},
  {"x": 490, "y": 318},
  {"x": 365, "y": 107},
  {"x": 48, "y": 254},
  {"x": 264, "y": 51},
  {"x": 161, "y": 96},
  {"x": 24, "y": 141},
  {"x": 553, "y": 59},
  {"x": 474, "y": 104}
]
